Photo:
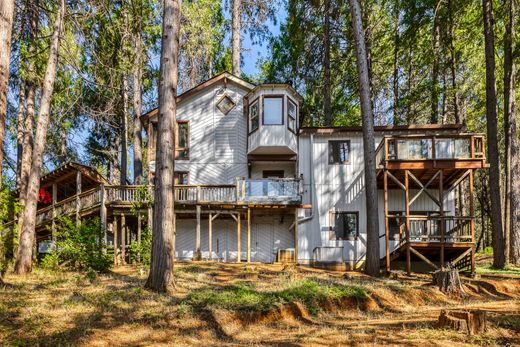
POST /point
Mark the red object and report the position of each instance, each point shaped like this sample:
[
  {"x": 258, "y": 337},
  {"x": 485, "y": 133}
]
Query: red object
[{"x": 44, "y": 197}]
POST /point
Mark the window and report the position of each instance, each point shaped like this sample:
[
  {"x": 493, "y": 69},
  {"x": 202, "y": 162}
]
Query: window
[
  {"x": 273, "y": 110},
  {"x": 253, "y": 116},
  {"x": 344, "y": 225},
  {"x": 291, "y": 115},
  {"x": 272, "y": 174},
  {"x": 182, "y": 149},
  {"x": 339, "y": 152},
  {"x": 180, "y": 178},
  {"x": 225, "y": 104}
]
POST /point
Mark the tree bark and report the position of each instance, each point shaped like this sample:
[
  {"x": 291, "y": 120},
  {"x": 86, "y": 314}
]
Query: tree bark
[
  {"x": 138, "y": 126},
  {"x": 24, "y": 255},
  {"x": 6, "y": 27},
  {"x": 453, "y": 65},
  {"x": 163, "y": 250},
  {"x": 235, "y": 37},
  {"x": 20, "y": 126},
  {"x": 396, "y": 119},
  {"x": 512, "y": 206},
  {"x": 372, "y": 224},
  {"x": 435, "y": 66},
  {"x": 327, "y": 107},
  {"x": 492, "y": 138},
  {"x": 124, "y": 133}
]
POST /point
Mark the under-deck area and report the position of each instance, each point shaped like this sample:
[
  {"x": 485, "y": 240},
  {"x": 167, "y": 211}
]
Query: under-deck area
[{"x": 443, "y": 169}]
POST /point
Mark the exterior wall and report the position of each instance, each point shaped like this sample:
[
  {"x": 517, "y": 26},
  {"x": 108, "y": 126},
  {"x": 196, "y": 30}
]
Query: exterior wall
[
  {"x": 268, "y": 234},
  {"x": 218, "y": 142},
  {"x": 341, "y": 187}
]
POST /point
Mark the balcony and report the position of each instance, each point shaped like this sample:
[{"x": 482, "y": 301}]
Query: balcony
[
  {"x": 283, "y": 191},
  {"x": 409, "y": 151},
  {"x": 435, "y": 229}
]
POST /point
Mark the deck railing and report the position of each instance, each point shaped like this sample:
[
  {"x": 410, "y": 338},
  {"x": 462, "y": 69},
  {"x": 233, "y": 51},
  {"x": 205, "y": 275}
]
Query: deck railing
[
  {"x": 422, "y": 147},
  {"x": 278, "y": 191},
  {"x": 429, "y": 229}
]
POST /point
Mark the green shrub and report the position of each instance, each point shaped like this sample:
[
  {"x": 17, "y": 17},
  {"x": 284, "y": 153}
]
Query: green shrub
[
  {"x": 142, "y": 252},
  {"x": 78, "y": 247}
]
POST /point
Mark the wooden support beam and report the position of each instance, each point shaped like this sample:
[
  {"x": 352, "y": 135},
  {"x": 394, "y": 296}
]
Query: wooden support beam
[
  {"x": 472, "y": 214},
  {"x": 387, "y": 227},
  {"x": 402, "y": 186},
  {"x": 296, "y": 236},
  {"x": 123, "y": 239},
  {"x": 238, "y": 238},
  {"x": 457, "y": 182},
  {"x": 139, "y": 222},
  {"x": 210, "y": 236},
  {"x": 54, "y": 201},
  {"x": 407, "y": 214},
  {"x": 103, "y": 216},
  {"x": 248, "y": 235},
  {"x": 460, "y": 257},
  {"x": 423, "y": 258},
  {"x": 441, "y": 213},
  {"x": 115, "y": 230},
  {"x": 424, "y": 188},
  {"x": 78, "y": 192},
  {"x": 198, "y": 252}
]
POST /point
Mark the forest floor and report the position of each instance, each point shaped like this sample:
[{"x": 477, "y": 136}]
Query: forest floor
[{"x": 227, "y": 304}]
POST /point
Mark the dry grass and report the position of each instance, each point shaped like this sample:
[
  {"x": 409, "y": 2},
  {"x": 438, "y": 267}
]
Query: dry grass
[{"x": 52, "y": 309}]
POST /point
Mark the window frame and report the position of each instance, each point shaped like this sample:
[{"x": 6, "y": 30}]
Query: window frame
[
  {"x": 273, "y": 96},
  {"x": 249, "y": 122},
  {"x": 176, "y": 173},
  {"x": 332, "y": 225},
  {"x": 291, "y": 101},
  {"x": 181, "y": 149},
  {"x": 349, "y": 152},
  {"x": 220, "y": 100},
  {"x": 273, "y": 173}
]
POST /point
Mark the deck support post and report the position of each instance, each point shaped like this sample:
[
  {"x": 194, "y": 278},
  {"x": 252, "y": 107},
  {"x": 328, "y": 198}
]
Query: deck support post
[
  {"x": 210, "y": 236},
  {"x": 115, "y": 230},
  {"x": 123, "y": 239},
  {"x": 472, "y": 218},
  {"x": 441, "y": 213},
  {"x": 296, "y": 238},
  {"x": 248, "y": 235},
  {"x": 54, "y": 200},
  {"x": 78, "y": 192},
  {"x": 387, "y": 236},
  {"x": 198, "y": 253},
  {"x": 103, "y": 217},
  {"x": 139, "y": 221},
  {"x": 407, "y": 212},
  {"x": 238, "y": 238}
]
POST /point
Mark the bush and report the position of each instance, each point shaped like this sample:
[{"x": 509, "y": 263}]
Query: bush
[
  {"x": 78, "y": 247},
  {"x": 142, "y": 252}
]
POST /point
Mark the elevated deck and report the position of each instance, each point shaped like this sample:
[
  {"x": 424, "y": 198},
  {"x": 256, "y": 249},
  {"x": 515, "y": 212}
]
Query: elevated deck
[{"x": 436, "y": 166}]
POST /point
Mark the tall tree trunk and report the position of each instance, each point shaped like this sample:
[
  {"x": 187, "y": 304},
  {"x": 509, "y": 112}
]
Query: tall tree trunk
[
  {"x": 124, "y": 133},
  {"x": 235, "y": 37},
  {"x": 6, "y": 27},
  {"x": 24, "y": 255},
  {"x": 20, "y": 125},
  {"x": 327, "y": 107},
  {"x": 453, "y": 64},
  {"x": 163, "y": 249},
  {"x": 492, "y": 138},
  {"x": 396, "y": 119},
  {"x": 372, "y": 254},
  {"x": 27, "y": 142},
  {"x": 436, "y": 35},
  {"x": 512, "y": 207},
  {"x": 138, "y": 126}
]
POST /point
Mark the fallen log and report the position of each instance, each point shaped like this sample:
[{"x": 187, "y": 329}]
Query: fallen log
[{"x": 470, "y": 321}]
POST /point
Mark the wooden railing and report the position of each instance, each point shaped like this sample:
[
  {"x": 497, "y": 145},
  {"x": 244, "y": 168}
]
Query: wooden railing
[
  {"x": 429, "y": 229},
  {"x": 422, "y": 147},
  {"x": 278, "y": 191}
]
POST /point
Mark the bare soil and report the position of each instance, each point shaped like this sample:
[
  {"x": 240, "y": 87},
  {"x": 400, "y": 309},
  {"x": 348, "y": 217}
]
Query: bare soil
[{"x": 65, "y": 308}]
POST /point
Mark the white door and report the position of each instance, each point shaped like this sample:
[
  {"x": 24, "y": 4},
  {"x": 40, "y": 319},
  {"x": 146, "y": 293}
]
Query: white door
[{"x": 262, "y": 242}]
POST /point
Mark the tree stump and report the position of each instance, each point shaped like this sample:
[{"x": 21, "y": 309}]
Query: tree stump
[
  {"x": 471, "y": 321},
  {"x": 448, "y": 281}
]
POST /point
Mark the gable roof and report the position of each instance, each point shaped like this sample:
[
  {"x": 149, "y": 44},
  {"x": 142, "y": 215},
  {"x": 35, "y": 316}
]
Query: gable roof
[
  {"x": 62, "y": 173},
  {"x": 224, "y": 76}
]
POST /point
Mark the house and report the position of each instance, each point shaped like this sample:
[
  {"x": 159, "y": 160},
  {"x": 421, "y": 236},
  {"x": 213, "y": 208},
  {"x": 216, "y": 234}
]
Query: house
[{"x": 254, "y": 186}]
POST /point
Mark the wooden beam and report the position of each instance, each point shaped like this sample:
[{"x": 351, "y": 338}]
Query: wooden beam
[
  {"x": 472, "y": 215},
  {"x": 54, "y": 200},
  {"x": 387, "y": 236},
  {"x": 78, "y": 192},
  {"x": 296, "y": 236},
  {"x": 441, "y": 213},
  {"x": 423, "y": 258},
  {"x": 407, "y": 214},
  {"x": 103, "y": 215},
  {"x": 456, "y": 183},
  {"x": 115, "y": 230},
  {"x": 123, "y": 239},
  {"x": 459, "y": 258},
  {"x": 238, "y": 238},
  {"x": 402, "y": 186},
  {"x": 139, "y": 221},
  {"x": 198, "y": 253},
  {"x": 424, "y": 188},
  {"x": 248, "y": 235},
  {"x": 210, "y": 236}
]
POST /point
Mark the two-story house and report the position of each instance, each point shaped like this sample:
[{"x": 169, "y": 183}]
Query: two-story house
[{"x": 252, "y": 185}]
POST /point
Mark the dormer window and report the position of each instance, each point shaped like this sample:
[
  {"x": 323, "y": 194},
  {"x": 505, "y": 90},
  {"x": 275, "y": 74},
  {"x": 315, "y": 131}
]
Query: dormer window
[
  {"x": 253, "y": 116},
  {"x": 291, "y": 115},
  {"x": 273, "y": 110}
]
